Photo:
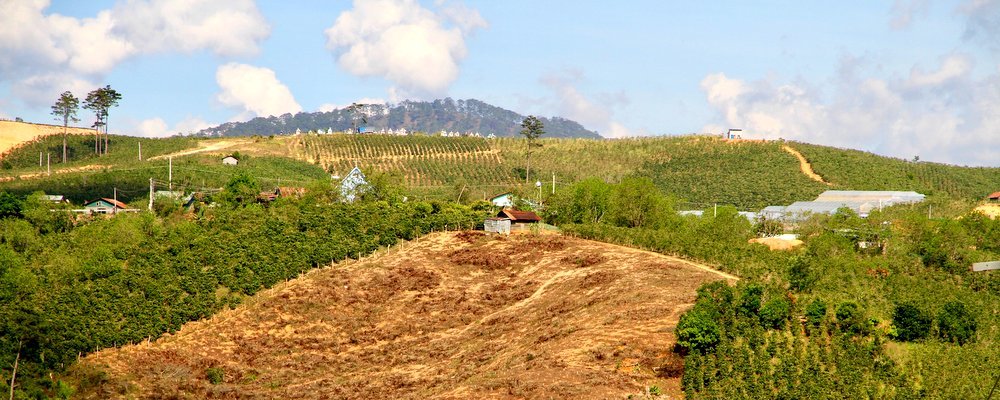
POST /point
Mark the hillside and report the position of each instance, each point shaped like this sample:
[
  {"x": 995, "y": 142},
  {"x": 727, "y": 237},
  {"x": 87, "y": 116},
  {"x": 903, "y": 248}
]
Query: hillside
[
  {"x": 462, "y": 116},
  {"x": 698, "y": 171},
  {"x": 447, "y": 316},
  {"x": 14, "y": 134}
]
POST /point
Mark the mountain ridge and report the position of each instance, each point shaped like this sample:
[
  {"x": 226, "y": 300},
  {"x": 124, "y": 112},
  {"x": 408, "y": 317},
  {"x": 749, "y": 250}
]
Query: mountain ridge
[{"x": 462, "y": 116}]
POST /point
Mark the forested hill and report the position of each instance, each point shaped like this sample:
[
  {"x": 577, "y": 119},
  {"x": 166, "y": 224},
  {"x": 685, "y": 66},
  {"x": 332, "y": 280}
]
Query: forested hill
[{"x": 463, "y": 116}]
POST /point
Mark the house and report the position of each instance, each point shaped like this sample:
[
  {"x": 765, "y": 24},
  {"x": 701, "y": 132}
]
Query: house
[
  {"x": 519, "y": 220},
  {"x": 352, "y": 184},
  {"x": 55, "y": 198},
  {"x": 505, "y": 200},
  {"x": 230, "y": 160},
  {"x": 995, "y": 197},
  {"x": 105, "y": 206}
]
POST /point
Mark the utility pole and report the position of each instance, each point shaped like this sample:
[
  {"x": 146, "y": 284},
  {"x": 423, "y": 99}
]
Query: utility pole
[
  {"x": 140, "y": 151},
  {"x": 150, "y": 194},
  {"x": 48, "y": 163},
  {"x": 929, "y": 211},
  {"x": 715, "y": 209},
  {"x": 116, "y": 202},
  {"x": 170, "y": 174},
  {"x": 39, "y": 159},
  {"x": 553, "y": 183}
]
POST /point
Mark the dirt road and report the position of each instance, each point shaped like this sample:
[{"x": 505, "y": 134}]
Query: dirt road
[
  {"x": 203, "y": 147},
  {"x": 804, "y": 165}
]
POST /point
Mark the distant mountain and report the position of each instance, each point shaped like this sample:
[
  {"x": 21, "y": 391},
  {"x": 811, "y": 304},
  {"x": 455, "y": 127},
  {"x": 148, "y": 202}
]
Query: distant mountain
[{"x": 462, "y": 116}]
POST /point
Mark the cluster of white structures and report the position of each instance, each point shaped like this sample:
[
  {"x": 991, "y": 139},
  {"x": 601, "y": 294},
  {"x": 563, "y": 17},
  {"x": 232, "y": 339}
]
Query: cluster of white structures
[
  {"x": 396, "y": 132},
  {"x": 862, "y": 202}
]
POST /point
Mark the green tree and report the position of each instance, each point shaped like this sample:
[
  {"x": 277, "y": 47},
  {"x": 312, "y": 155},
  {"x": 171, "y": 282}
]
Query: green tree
[
  {"x": 816, "y": 312},
  {"x": 911, "y": 322},
  {"x": 10, "y": 205},
  {"x": 775, "y": 313},
  {"x": 65, "y": 109},
  {"x": 531, "y": 128},
  {"x": 242, "y": 190},
  {"x": 698, "y": 330},
  {"x": 956, "y": 324},
  {"x": 100, "y": 101},
  {"x": 637, "y": 203}
]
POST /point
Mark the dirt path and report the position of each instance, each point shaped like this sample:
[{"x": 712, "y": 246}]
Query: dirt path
[
  {"x": 205, "y": 147},
  {"x": 54, "y": 172},
  {"x": 804, "y": 165}
]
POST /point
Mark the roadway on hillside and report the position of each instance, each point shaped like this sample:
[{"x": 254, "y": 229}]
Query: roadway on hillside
[
  {"x": 804, "y": 165},
  {"x": 450, "y": 315},
  {"x": 204, "y": 146}
]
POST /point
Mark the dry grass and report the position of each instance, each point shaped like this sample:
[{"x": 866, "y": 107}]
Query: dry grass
[
  {"x": 560, "y": 318},
  {"x": 13, "y": 134}
]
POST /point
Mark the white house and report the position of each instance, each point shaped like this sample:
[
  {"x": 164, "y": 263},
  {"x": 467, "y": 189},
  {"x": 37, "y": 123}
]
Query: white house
[
  {"x": 230, "y": 160},
  {"x": 505, "y": 200},
  {"x": 349, "y": 186}
]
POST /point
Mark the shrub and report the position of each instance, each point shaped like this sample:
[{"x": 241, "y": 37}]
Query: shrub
[
  {"x": 801, "y": 277},
  {"x": 816, "y": 312},
  {"x": 775, "y": 313},
  {"x": 215, "y": 375},
  {"x": 911, "y": 323},
  {"x": 697, "y": 330},
  {"x": 750, "y": 299},
  {"x": 850, "y": 318},
  {"x": 956, "y": 324}
]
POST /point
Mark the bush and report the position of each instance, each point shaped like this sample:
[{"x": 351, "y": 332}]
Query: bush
[
  {"x": 801, "y": 277},
  {"x": 910, "y": 322},
  {"x": 697, "y": 330},
  {"x": 750, "y": 299},
  {"x": 775, "y": 313},
  {"x": 215, "y": 375},
  {"x": 816, "y": 312},
  {"x": 956, "y": 324},
  {"x": 850, "y": 318}
]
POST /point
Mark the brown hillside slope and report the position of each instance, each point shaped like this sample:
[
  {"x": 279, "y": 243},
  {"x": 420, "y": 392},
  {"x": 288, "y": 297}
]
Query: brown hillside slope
[
  {"x": 450, "y": 316},
  {"x": 13, "y": 133}
]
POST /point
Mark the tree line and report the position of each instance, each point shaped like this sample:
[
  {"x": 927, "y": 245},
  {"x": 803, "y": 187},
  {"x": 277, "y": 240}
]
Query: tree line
[{"x": 100, "y": 101}]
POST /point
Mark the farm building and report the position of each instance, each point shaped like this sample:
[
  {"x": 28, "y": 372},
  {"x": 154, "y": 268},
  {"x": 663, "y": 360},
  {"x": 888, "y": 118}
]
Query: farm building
[
  {"x": 995, "y": 197},
  {"x": 352, "y": 184},
  {"x": 104, "y": 206},
  {"x": 503, "y": 200},
  {"x": 519, "y": 220},
  {"x": 497, "y": 225},
  {"x": 230, "y": 160},
  {"x": 862, "y": 202},
  {"x": 55, "y": 199}
]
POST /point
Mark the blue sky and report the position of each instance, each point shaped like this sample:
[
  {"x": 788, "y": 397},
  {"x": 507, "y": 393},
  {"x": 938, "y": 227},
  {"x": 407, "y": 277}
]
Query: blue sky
[{"x": 902, "y": 78}]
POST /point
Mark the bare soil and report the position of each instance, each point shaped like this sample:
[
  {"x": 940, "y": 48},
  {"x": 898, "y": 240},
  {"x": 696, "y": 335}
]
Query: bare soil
[
  {"x": 14, "y": 134},
  {"x": 449, "y": 316},
  {"x": 804, "y": 165}
]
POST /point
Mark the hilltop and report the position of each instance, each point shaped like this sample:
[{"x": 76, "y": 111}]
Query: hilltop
[
  {"x": 461, "y": 116},
  {"x": 14, "y": 134},
  {"x": 451, "y": 315}
]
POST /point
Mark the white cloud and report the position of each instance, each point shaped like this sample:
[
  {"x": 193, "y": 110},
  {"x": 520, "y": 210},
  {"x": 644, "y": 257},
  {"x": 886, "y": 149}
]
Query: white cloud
[
  {"x": 983, "y": 21},
  {"x": 596, "y": 114},
  {"x": 403, "y": 42},
  {"x": 905, "y": 11},
  {"x": 940, "y": 115},
  {"x": 55, "y": 52},
  {"x": 153, "y": 127},
  {"x": 254, "y": 90}
]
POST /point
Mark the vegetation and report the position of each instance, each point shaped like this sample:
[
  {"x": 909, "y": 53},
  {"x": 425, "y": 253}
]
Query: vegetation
[
  {"x": 860, "y": 170},
  {"x": 531, "y": 128},
  {"x": 100, "y": 101},
  {"x": 462, "y": 116},
  {"x": 820, "y": 321},
  {"x": 69, "y": 287}
]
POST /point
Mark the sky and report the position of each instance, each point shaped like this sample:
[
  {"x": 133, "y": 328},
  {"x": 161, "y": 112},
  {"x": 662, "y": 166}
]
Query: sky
[{"x": 904, "y": 78}]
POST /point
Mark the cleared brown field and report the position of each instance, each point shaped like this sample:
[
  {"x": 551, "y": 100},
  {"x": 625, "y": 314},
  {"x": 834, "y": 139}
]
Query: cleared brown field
[
  {"x": 13, "y": 133},
  {"x": 451, "y": 316}
]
